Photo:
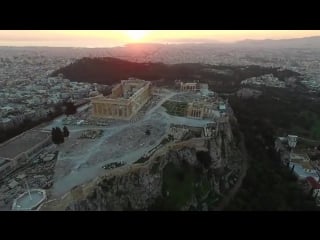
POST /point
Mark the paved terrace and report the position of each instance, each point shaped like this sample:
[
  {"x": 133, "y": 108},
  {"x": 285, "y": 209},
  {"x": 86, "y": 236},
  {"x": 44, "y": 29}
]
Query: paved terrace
[{"x": 81, "y": 160}]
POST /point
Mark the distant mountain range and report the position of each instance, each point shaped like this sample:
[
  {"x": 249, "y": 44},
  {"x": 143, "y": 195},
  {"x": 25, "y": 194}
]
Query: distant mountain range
[
  {"x": 307, "y": 42},
  {"x": 208, "y": 52}
]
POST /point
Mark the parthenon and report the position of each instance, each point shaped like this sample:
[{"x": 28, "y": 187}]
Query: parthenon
[{"x": 124, "y": 102}]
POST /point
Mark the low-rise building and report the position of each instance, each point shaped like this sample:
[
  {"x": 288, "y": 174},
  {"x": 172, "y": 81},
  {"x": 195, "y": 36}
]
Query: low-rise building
[
  {"x": 18, "y": 151},
  {"x": 302, "y": 168},
  {"x": 314, "y": 187}
]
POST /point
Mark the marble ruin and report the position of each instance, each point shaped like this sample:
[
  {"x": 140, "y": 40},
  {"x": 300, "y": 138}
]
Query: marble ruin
[
  {"x": 203, "y": 88},
  {"x": 189, "y": 86},
  {"x": 202, "y": 110},
  {"x": 126, "y": 99}
]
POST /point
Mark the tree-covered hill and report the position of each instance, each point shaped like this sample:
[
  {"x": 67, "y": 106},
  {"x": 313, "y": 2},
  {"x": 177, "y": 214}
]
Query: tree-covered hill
[{"x": 111, "y": 70}]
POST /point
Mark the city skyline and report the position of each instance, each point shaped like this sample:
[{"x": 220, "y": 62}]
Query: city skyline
[{"x": 111, "y": 38}]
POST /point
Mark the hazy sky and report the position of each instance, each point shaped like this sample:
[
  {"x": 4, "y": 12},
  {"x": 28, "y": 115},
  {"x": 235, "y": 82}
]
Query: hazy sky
[{"x": 107, "y": 38}]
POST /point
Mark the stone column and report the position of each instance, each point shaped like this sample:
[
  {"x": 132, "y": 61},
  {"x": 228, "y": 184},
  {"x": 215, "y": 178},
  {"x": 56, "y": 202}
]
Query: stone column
[
  {"x": 121, "y": 111},
  {"x": 94, "y": 109},
  {"x": 118, "y": 112},
  {"x": 114, "y": 112}
]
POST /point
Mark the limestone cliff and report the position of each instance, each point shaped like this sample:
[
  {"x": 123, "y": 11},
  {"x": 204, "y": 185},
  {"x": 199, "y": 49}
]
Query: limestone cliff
[{"x": 190, "y": 175}]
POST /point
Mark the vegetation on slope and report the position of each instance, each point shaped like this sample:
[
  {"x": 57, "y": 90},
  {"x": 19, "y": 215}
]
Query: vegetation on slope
[
  {"x": 268, "y": 185},
  {"x": 180, "y": 184},
  {"x": 175, "y": 108},
  {"x": 111, "y": 70},
  {"x": 285, "y": 111}
]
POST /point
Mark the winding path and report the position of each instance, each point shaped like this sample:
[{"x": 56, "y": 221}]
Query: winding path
[
  {"x": 309, "y": 140},
  {"x": 226, "y": 200}
]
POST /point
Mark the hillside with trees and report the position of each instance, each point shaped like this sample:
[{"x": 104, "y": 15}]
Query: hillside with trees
[
  {"x": 269, "y": 185},
  {"x": 109, "y": 71}
]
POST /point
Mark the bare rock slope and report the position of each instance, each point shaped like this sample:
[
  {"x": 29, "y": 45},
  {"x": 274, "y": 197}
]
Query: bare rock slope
[{"x": 191, "y": 175}]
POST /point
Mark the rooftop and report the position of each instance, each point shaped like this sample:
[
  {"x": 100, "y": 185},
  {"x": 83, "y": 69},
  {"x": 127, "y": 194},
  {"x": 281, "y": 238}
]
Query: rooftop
[
  {"x": 306, "y": 165},
  {"x": 21, "y": 143},
  {"x": 314, "y": 184},
  {"x": 222, "y": 106},
  {"x": 302, "y": 173},
  {"x": 299, "y": 157}
]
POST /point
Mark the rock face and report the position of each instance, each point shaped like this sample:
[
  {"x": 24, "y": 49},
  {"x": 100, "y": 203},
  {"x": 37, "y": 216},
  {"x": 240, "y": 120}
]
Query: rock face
[
  {"x": 190, "y": 175},
  {"x": 133, "y": 190}
]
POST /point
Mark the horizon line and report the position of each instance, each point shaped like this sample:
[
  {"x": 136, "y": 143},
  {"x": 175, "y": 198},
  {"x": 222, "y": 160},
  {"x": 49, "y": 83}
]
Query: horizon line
[{"x": 200, "y": 41}]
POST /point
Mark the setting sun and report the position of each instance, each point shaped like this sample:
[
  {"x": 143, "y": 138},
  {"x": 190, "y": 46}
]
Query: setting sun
[
  {"x": 136, "y": 35},
  {"x": 112, "y": 38}
]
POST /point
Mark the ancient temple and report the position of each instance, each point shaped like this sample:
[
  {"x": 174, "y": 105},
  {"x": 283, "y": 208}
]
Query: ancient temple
[{"x": 126, "y": 99}]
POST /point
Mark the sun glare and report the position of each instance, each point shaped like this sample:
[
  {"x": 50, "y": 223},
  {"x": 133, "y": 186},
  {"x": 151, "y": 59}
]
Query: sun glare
[{"x": 136, "y": 35}]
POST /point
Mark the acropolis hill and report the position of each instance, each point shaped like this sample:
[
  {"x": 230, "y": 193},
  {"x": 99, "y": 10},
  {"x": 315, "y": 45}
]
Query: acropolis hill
[{"x": 165, "y": 138}]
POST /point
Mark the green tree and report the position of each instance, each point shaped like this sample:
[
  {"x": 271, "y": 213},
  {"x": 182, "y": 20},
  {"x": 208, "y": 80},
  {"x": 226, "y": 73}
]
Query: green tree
[
  {"x": 70, "y": 108},
  {"x": 60, "y": 136},
  {"x": 65, "y": 131},
  {"x": 54, "y": 136},
  {"x": 57, "y": 136}
]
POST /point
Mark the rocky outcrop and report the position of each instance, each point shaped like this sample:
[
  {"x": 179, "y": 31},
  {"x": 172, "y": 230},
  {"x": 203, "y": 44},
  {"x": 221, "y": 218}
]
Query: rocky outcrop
[{"x": 183, "y": 176}]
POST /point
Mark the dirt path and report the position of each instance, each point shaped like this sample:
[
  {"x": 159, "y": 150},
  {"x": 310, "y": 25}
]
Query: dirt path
[
  {"x": 75, "y": 169},
  {"x": 309, "y": 140},
  {"x": 165, "y": 98},
  {"x": 243, "y": 173}
]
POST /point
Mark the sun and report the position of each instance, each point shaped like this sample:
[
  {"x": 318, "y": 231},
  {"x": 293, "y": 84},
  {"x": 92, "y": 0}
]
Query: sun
[{"x": 136, "y": 35}]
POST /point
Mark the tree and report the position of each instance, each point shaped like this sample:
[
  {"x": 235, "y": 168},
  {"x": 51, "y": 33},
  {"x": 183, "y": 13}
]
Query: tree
[
  {"x": 65, "y": 131},
  {"x": 57, "y": 136},
  {"x": 70, "y": 108},
  {"x": 54, "y": 136},
  {"x": 170, "y": 137},
  {"x": 148, "y": 132},
  {"x": 60, "y": 135},
  {"x": 49, "y": 114}
]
